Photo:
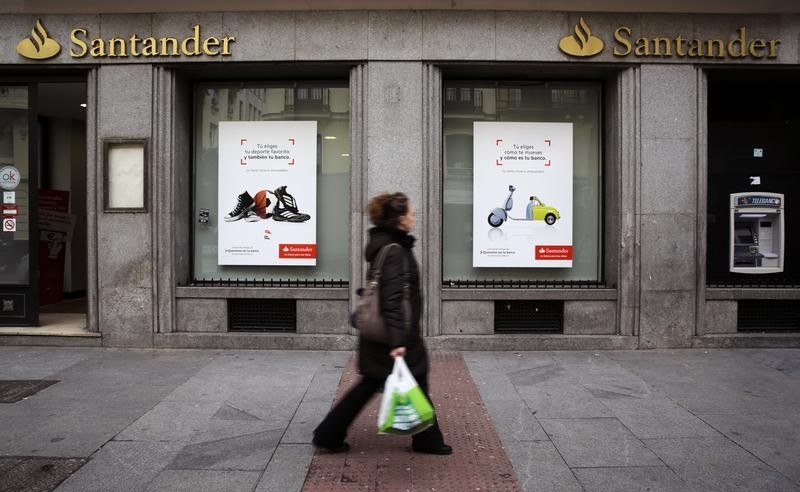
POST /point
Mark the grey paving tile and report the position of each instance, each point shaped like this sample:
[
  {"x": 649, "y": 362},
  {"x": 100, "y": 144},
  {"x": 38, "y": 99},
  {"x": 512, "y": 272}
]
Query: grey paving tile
[
  {"x": 309, "y": 415},
  {"x": 584, "y": 359},
  {"x": 229, "y": 412},
  {"x": 540, "y": 467},
  {"x": 126, "y": 375},
  {"x": 786, "y": 361},
  {"x": 269, "y": 403},
  {"x": 322, "y": 387},
  {"x": 513, "y": 420},
  {"x": 494, "y": 386},
  {"x": 142, "y": 364},
  {"x": 658, "y": 418},
  {"x": 42, "y": 362},
  {"x": 122, "y": 466},
  {"x": 211, "y": 387},
  {"x": 629, "y": 478},
  {"x": 170, "y": 421},
  {"x": 713, "y": 381},
  {"x": 615, "y": 388},
  {"x": 492, "y": 362},
  {"x": 56, "y": 427},
  {"x": 278, "y": 363},
  {"x": 562, "y": 399},
  {"x": 511, "y": 417},
  {"x": 774, "y": 440},
  {"x": 240, "y": 448},
  {"x": 716, "y": 463},
  {"x": 537, "y": 375},
  {"x": 120, "y": 392},
  {"x": 601, "y": 442},
  {"x": 194, "y": 480},
  {"x": 287, "y": 469}
]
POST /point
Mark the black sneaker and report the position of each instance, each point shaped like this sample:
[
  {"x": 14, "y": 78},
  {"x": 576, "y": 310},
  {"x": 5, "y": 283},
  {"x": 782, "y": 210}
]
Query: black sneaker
[
  {"x": 285, "y": 215},
  {"x": 250, "y": 216},
  {"x": 286, "y": 199},
  {"x": 443, "y": 450},
  {"x": 243, "y": 203},
  {"x": 343, "y": 447}
]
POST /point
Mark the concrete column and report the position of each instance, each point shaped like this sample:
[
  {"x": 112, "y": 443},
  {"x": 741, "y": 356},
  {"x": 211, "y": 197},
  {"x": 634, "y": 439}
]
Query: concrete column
[
  {"x": 668, "y": 205},
  {"x": 622, "y": 198},
  {"x": 358, "y": 179},
  {"x": 432, "y": 136},
  {"x": 125, "y": 249},
  {"x": 394, "y": 137}
]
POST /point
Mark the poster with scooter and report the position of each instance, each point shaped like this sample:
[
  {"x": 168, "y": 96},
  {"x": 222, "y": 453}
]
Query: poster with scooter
[
  {"x": 267, "y": 193},
  {"x": 522, "y": 195}
]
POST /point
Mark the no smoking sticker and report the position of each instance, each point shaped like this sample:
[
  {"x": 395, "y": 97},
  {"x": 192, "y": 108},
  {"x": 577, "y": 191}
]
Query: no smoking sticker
[{"x": 9, "y": 225}]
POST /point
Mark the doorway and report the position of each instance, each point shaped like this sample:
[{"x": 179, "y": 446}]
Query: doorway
[{"x": 43, "y": 255}]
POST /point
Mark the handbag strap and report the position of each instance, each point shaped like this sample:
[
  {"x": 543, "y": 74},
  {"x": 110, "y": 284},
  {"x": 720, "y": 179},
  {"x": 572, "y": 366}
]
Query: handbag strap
[
  {"x": 376, "y": 278},
  {"x": 377, "y": 267}
]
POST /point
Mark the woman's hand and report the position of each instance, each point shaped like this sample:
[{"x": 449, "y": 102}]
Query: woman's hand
[{"x": 398, "y": 352}]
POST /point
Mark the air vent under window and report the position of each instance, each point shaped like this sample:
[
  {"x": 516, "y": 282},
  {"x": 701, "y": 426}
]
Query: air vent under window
[
  {"x": 768, "y": 316},
  {"x": 273, "y": 315},
  {"x": 529, "y": 316}
]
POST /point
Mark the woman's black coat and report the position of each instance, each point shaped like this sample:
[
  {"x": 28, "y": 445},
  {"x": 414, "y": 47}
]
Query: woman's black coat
[{"x": 373, "y": 358}]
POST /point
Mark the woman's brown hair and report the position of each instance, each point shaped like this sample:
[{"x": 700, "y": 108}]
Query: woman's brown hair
[{"x": 386, "y": 209}]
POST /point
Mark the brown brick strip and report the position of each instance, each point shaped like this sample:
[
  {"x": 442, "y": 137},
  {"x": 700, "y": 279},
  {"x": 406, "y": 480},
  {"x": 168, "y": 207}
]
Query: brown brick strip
[{"x": 386, "y": 463}]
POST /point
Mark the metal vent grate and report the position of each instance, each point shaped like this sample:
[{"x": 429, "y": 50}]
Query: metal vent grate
[
  {"x": 274, "y": 315},
  {"x": 529, "y": 316},
  {"x": 777, "y": 316}
]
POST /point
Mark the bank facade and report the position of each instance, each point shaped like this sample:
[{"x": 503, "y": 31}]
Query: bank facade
[{"x": 672, "y": 116}]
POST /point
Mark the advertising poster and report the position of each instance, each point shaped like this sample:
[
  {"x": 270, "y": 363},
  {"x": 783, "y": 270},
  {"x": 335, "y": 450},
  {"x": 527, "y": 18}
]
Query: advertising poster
[
  {"x": 522, "y": 195},
  {"x": 267, "y": 193}
]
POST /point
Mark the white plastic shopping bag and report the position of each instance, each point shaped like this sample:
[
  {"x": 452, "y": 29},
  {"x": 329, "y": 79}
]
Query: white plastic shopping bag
[{"x": 404, "y": 407}]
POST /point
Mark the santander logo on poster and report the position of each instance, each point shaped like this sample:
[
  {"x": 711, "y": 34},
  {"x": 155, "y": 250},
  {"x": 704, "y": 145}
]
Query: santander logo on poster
[
  {"x": 553, "y": 252},
  {"x": 297, "y": 251}
]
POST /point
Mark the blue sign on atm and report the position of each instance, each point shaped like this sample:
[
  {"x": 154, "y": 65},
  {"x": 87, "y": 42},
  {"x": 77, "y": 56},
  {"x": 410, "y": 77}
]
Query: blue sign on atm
[{"x": 758, "y": 201}]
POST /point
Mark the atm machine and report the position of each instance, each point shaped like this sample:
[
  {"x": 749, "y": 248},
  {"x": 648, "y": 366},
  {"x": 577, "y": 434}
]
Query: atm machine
[{"x": 757, "y": 235}]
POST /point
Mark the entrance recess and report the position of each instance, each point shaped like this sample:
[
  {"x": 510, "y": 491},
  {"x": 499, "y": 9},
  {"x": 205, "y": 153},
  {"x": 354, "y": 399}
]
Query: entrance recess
[
  {"x": 18, "y": 282},
  {"x": 43, "y": 246}
]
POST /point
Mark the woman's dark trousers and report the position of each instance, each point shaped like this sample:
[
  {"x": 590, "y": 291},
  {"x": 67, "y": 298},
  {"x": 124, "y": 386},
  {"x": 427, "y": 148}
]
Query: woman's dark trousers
[{"x": 333, "y": 429}]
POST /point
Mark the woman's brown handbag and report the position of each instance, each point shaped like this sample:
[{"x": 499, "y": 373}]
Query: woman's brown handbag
[{"x": 367, "y": 316}]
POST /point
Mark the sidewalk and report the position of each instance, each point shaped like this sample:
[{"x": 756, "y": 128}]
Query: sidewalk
[
  {"x": 383, "y": 463},
  {"x": 242, "y": 420}
]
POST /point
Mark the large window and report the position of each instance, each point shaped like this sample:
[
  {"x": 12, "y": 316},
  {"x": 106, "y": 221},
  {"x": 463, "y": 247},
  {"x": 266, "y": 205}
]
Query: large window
[
  {"x": 753, "y": 125},
  {"x": 468, "y": 102},
  {"x": 327, "y": 104}
]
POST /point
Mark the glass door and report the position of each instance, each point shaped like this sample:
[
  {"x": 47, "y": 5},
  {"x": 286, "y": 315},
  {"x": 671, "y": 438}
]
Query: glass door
[{"x": 18, "y": 184}]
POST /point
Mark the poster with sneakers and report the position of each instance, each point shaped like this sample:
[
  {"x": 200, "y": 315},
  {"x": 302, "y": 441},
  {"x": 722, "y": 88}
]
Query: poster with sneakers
[{"x": 267, "y": 193}]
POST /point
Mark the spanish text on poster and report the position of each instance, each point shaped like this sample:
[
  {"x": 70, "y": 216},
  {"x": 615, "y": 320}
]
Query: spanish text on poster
[
  {"x": 522, "y": 195},
  {"x": 267, "y": 193}
]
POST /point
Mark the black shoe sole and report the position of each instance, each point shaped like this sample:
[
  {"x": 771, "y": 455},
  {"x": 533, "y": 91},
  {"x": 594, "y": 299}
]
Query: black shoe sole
[
  {"x": 442, "y": 451},
  {"x": 341, "y": 448},
  {"x": 298, "y": 218}
]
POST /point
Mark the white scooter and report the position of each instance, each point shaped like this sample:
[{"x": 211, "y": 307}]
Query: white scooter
[{"x": 536, "y": 210}]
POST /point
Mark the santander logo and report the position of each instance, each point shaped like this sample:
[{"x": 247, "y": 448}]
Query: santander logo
[{"x": 553, "y": 252}]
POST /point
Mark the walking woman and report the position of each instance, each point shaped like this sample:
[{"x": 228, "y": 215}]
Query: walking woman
[{"x": 393, "y": 217}]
